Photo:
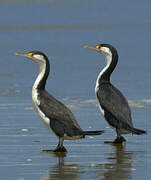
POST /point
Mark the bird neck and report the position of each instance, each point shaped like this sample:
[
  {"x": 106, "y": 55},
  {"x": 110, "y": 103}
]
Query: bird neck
[
  {"x": 106, "y": 72},
  {"x": 41, "y": 79}
]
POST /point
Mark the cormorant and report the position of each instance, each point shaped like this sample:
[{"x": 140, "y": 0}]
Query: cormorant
[
  {"x": 55, "y": 115},
  {"x": 112, "y": 104}
]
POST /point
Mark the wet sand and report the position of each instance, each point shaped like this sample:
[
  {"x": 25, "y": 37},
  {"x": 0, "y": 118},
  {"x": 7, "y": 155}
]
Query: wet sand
[{"x": 61, "y": 29}]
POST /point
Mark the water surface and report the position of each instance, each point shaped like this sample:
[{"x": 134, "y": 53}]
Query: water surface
[{"x": 61, "y": 28}]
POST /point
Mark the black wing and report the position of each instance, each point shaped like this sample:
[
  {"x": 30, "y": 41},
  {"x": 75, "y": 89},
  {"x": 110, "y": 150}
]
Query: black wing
[
  {"x": 57, "y": 112},
  {"x": 112, "y": 100}
]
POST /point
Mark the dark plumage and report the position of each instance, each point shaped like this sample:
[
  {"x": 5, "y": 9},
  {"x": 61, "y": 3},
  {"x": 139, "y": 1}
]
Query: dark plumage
[
  {"x": 112, "y": 103},
  {"x": 55, "y": 115}
]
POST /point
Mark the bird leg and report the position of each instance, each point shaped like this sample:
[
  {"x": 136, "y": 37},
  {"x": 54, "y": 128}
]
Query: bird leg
[
  {"x": 118, "y": 140},
  {"x": 59, "y": 149}
]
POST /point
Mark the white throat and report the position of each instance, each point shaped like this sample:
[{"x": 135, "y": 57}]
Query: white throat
[
  {"x": 42, "y": 68},
  {"x": 35, "y": 86},
  {"x": 108, "y": 62}
]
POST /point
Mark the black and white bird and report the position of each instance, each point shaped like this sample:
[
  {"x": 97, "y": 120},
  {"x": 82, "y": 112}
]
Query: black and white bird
[
  {"x": 55, "y": 115},
  {"x": 112, "y": 104}
]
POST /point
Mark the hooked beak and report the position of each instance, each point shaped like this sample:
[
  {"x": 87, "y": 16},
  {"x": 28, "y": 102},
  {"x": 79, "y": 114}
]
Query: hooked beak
[
  {"x": 96, "y": 48},
  {"x": 24, "y": 55}
]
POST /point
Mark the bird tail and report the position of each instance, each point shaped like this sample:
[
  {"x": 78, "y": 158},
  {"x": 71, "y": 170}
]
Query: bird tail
[
  {"x": 137, "y": 131},
  {"x": 93, "y": 133}
]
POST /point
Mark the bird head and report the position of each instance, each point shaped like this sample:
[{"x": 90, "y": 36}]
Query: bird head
[
  {"x": 36, "y": 56},
  {"x": 105, "y": 49}
]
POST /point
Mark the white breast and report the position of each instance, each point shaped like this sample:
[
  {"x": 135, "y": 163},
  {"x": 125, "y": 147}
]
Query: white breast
[
  {"x": 102, "y": 110},
  {"x": 36, "y": 104}
]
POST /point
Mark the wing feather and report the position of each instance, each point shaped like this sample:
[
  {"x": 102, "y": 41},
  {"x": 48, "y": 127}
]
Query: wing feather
[
  {"x": 56, "y": 110},
  {"x": 112, "y": 100}
]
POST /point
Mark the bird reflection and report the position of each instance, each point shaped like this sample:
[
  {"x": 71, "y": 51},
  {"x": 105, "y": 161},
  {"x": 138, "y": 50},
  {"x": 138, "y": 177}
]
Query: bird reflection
[
  {"x": 62, "y": 171},
  {"x": 118, "y": 166}
]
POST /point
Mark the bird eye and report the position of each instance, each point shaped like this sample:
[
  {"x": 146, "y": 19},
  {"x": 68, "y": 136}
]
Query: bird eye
[
  {"x": 30, "y": 54},
  {"x": 97, "y": 47}
]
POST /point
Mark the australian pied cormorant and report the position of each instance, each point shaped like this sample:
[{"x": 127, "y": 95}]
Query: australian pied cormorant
[
  {"x": 55, "y": 115},
  {"x": 112, "y": 104}
]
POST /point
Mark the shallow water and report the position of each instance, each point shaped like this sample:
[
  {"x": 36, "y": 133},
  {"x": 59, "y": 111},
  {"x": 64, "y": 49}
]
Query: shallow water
[{"x": 61, "y": 28}]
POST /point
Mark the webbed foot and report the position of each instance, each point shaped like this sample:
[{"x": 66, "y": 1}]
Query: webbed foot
[
  {"x": 59, "y": 149},
  {"x": 118, "y": 141}
]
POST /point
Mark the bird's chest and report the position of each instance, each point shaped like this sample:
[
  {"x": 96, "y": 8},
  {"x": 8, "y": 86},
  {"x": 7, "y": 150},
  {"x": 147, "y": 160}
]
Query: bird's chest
[
  {"x": 100, "y": 107},
  {"x": 36, "y": 104},
  {"x": 96, "y": 87},
  {"x": 101, "y": 110}
]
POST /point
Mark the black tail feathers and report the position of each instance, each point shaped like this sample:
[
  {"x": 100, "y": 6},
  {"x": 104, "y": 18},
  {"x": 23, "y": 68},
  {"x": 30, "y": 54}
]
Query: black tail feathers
[
  {"x": 137, "y": 131},
  {"x": 93, "y": 133}
]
